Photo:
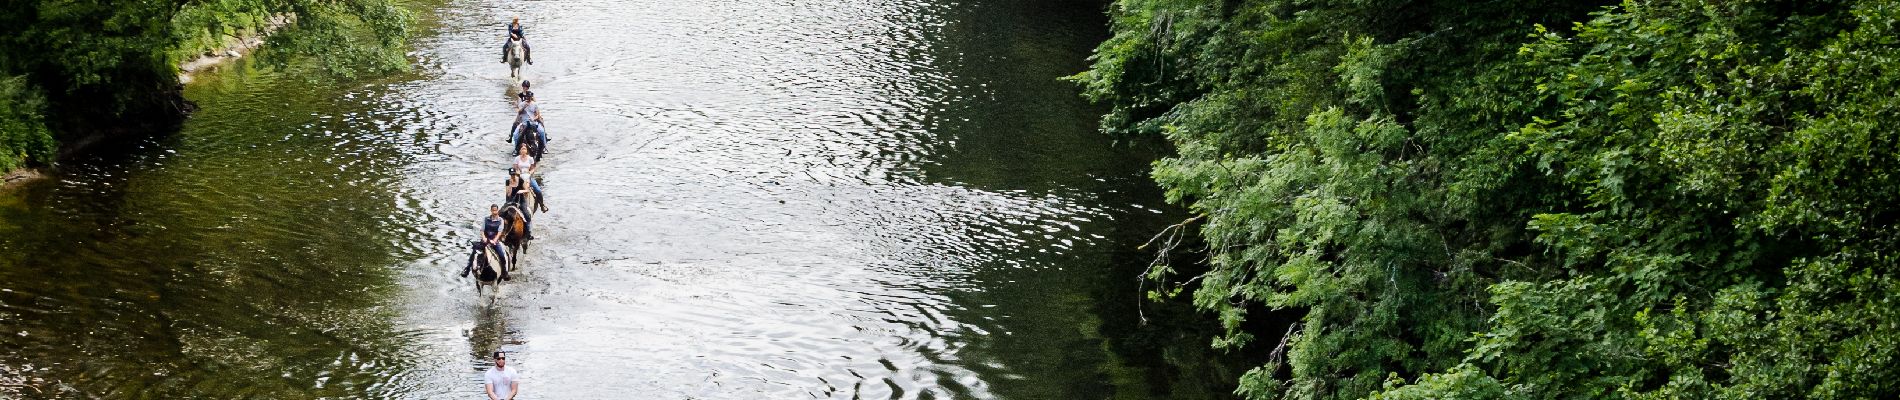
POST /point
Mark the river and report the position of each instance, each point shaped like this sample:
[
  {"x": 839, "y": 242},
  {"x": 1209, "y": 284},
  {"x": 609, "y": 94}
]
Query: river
[{"x": 750, "y": 199}]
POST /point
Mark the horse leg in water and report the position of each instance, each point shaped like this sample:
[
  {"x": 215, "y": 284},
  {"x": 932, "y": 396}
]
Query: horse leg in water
[
  {"x": 521, "y": 236},
  {"x": 534, "y": 146},
  {"x": 516, "y": 248},
  {"x": 518, "y": 239},
  {"x": 540, "y": 140},
  {"x": 514, "y": 60}
]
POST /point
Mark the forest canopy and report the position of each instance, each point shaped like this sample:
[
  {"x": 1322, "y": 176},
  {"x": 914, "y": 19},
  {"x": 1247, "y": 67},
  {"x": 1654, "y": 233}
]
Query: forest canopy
[
  {"x": 1524, "y": 199},
  {"x": 77, "y": 67}
]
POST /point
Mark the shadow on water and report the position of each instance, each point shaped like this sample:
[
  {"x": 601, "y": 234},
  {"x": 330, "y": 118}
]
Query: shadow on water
[{"x": 1083, "y": 297}]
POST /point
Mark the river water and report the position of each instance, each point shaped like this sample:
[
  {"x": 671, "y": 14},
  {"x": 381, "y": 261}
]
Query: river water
[{"x": 750, "y": 199}]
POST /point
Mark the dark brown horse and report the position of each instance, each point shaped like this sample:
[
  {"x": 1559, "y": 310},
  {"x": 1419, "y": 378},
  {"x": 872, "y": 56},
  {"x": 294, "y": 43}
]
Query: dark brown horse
[{"x": 514, "y": 233}]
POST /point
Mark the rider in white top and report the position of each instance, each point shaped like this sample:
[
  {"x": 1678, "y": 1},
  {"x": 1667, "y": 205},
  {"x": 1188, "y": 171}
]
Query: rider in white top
[{"x": 525, "y": 165}]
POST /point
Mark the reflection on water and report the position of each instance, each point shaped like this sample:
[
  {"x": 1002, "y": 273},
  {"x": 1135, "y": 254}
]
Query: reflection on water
[{"x": 750, "y": 199}]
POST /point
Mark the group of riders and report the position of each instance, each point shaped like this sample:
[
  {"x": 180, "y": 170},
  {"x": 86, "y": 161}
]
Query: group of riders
[{"x": 508, "y": 227}]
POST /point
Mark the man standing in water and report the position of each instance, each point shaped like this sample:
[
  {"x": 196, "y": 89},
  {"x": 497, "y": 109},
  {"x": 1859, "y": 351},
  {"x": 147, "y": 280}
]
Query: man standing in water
[{"x": 501, "y": 381}]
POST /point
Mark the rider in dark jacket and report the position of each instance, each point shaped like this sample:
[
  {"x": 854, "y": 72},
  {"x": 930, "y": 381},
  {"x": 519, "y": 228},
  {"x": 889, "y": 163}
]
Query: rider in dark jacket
[
  {"x": 515, "y": 32},
  {"x": 527, "y": 90},
  {"x": 519, "y": 186}
]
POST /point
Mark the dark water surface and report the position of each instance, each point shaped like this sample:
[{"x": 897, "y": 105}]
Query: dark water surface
[{"x": 751, "y": 199}]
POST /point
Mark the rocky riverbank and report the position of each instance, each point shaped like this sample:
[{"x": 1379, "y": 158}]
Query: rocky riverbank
[{"x": 234, "y": 48}]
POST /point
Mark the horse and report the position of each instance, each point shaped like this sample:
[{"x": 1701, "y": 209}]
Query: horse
[
  {"x": 514, "y": 234},
  {"x": 514, "y": 55},
  {"x": 484, "y": 267},
  {"x": 519, "y": 135}
]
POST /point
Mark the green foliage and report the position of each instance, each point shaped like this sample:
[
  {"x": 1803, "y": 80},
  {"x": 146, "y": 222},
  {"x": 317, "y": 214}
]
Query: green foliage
[
  {"x": 94, "y": 58},
  {"x": 1344, "y": 164},
  {"x": 208, "y": 25},
  {"x": 1661, "y": 200},
  {"x": 1731, "y": 205},
  {"x": 1463, "y": 383},
  {"x": 327, "y": 38},
  {"x": 23, "y": 134},
  {"x": 343, "y": 38}
]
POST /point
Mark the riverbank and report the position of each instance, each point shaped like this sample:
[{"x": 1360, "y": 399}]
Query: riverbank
[
  {"x": 19, "y": 177},
  {"x": 235, "y": 47}
]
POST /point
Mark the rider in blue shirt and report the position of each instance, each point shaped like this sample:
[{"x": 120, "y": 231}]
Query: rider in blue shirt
[{"x": 491, "y": 237}]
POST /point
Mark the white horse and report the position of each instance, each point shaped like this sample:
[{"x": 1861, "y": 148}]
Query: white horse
[{"x": 515, "y": 53}]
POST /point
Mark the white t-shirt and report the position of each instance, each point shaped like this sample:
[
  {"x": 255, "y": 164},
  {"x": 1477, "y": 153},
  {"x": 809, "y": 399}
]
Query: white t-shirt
[
  {"x": 522, "y": 163},
  {"x": 503, "y": 380}
]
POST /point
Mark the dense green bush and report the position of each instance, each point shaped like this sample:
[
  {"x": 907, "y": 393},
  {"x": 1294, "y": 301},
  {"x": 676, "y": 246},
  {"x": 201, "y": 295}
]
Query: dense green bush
[
  {"x": 110, "y": 65},
  {"x": 209, "y": 25},
  {"x": 23, "y": 134},
  {"x": 1670, "y": 199}
]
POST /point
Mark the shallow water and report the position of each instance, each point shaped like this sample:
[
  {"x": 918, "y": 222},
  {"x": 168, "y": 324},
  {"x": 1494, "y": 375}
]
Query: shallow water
[{"x": 751, "y": 199}]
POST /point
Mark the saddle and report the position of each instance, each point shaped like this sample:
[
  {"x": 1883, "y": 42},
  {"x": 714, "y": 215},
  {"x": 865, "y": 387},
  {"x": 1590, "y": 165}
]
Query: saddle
[{"x": 487, "y": 266}]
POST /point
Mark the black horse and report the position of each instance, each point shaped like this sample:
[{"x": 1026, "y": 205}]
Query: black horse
[
  {"x": 483, "y": 265},
  {"x": 522, "y": 134}
]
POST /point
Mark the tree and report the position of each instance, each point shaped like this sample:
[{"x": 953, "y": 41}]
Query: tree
[{"x": 1656, "y": 200}]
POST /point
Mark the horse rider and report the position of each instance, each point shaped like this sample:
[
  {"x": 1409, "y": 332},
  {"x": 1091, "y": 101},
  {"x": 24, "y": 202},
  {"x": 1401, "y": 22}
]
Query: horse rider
[
  {"x": 515, "y": 33},
  {"x": 526, "y": 92},
  {"x": 519, "y": 187},
  {"x": 528, "y": 117},
  {"x": 527, "y": 167},
  {"x": 491, "y": 237}
]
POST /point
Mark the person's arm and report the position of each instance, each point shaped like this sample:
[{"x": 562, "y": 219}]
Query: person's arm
[
  {"x": 514, "y": 388},
  {"x": 491, "y": 391}
]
